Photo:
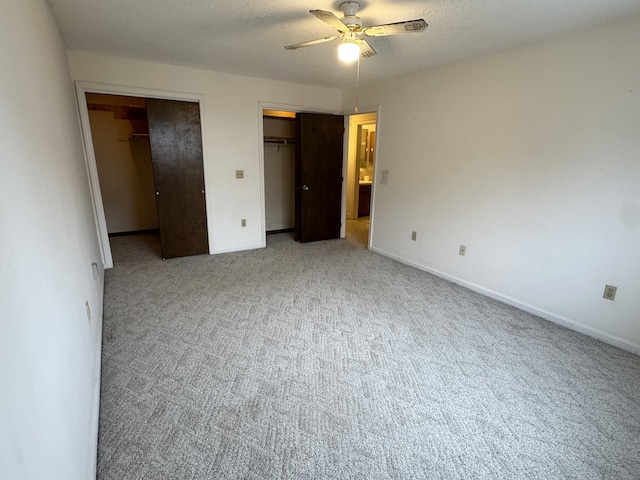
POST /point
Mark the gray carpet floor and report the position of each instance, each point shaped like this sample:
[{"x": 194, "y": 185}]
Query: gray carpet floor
[{"x": 327, "y": 361}]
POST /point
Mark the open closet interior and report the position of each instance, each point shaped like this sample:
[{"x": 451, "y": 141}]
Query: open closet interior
[
  {"x": 120, "y": 134},
  {"x": 279, "y": 170}
]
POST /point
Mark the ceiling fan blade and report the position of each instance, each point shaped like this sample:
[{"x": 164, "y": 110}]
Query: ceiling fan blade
[
  {"x": 309, "y": 43},
  {"x": 412, "y": 26},
  {"x": 330, "y": 19},
  {"x": 366, "y": 50}
]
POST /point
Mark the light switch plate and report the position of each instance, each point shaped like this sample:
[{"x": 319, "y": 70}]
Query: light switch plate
[{"x": 239, "y": 173}]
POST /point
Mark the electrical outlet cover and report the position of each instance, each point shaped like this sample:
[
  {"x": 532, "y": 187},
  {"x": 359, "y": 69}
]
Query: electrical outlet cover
[{"x": 610, "y": 292}]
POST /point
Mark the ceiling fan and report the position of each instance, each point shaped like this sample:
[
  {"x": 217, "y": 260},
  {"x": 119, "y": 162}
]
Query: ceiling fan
[{"x": 351, "y": 32}]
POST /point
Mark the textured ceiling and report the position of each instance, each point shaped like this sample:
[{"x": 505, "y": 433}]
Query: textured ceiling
[{"x": 247, "y": 37}]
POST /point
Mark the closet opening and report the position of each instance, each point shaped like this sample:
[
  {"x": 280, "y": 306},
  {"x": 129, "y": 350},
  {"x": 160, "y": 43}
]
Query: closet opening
[
  {"x": 142, "y": 169},
  {"x": 120, "y": 137},
  {"x": 303, "y": 172},
  {"x": 279, "y": 171}
]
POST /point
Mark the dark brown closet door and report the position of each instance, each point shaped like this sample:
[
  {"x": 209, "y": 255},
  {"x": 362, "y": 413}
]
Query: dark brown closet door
[
  {"x": 318, "y": 176},
  {"x": 178, "y": 174}
]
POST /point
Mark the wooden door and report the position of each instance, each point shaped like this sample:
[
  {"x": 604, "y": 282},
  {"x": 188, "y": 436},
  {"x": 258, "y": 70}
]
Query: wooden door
[
  {"x": 178, "y": 174},
  {"x": 318, "y": 199}
]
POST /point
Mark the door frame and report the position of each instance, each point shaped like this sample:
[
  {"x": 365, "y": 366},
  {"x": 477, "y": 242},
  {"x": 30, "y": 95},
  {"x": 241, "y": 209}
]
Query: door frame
[
  {"x": 263, "y": 105},
  {"x": 83, "y": 88}
]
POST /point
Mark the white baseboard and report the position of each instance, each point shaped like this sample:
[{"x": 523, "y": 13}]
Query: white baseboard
[
  {"x": 278, "y": 226},
  {"x": 550, "y": 316},
  {"x": 238, "y": 249}
]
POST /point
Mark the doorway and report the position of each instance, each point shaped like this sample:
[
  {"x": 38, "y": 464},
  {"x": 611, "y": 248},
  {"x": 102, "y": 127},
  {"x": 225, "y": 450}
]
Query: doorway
[
  {"x": 120, "y": 139},
  {"x": 278, "y": 128},
  {"x": 303, "y": 174},
  {"x": 149, "y": 168},
  {"x": 360, "y": 177}
]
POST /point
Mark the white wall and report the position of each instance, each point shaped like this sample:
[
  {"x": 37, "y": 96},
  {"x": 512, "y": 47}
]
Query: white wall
[
  {"x": 232, "y": 124},
  {"x": 49, "y": 351},
  {"x": 530, "y": 158}
]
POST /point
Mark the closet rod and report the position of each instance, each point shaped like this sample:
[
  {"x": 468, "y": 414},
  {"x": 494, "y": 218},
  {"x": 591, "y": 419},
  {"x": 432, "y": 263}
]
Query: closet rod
[
  {"x": 283, "y": 140},
  {"x": 137, "y": 135}
]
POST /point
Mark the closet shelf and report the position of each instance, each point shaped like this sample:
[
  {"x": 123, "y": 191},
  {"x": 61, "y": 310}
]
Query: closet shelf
[{"x": 280, "y": 140}]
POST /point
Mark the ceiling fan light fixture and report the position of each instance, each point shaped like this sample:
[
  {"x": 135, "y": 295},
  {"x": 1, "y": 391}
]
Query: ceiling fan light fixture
[{"x": 348, "y": 51}]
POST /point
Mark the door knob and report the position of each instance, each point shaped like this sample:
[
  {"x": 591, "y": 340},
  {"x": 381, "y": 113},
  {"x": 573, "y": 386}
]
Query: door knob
[{"x": 305, "y": 188}]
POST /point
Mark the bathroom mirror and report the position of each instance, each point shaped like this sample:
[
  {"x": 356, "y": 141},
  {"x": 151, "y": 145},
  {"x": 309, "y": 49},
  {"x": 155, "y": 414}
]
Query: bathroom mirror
[{"x": 364, "y": 152}]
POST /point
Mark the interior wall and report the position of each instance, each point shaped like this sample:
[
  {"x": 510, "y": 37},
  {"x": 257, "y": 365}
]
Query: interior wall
[
  {"x": 49, "y": 348},
  {"x": 124, "y": 167},
  {"x": 232, "y": 132},
  {"x": 279, "y": 170},
  {"x": 530, "y": 158}
]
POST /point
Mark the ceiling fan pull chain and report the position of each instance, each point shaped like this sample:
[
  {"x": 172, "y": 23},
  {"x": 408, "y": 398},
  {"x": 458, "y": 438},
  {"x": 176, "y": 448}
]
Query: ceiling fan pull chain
[{"x": 357, "y": 83}]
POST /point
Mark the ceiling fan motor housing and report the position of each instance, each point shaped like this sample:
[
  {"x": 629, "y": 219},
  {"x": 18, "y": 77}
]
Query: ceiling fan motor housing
[{"x": 350, "y": 11}]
